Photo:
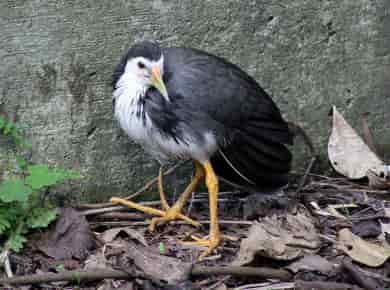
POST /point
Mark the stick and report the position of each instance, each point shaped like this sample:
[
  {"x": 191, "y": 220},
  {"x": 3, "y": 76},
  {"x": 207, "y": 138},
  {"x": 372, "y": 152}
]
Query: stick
[
  {"x": 154, "y": 180},
  {"x": 145, "y": 223},
  {"x": 97, "y": 274},
  {"x": 112, "y": 208},
  {"x": 267, "y": 286},
  {"x": 319, "y": 285},
  {"x": 307, "y": 172},
  {"x": 127, "y": 216},
  {"x": 260, "y": 272},
  {"x": 358, "y": 276},
  {"x": 100, "y": 274},
  {"x": 133, "y": 195}
]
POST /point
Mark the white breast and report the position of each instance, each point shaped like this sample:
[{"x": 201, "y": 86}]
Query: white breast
[{"x": 142, "y": 130}]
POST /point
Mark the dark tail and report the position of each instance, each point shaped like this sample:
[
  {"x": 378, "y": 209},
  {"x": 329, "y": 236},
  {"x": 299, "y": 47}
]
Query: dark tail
[{"x": 257, "y": 156}]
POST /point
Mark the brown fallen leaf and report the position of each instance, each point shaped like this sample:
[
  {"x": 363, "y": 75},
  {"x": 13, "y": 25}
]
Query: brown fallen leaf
[
  {"x": 281, "y": 237},
  {"x": 312, "y": 263},
  {"x": 109, "y": 235},
  {"x": 71, "y": 238},
  {"x": 379, "y": 177},
  {"x": 156, "y": 266},
  {"x": 364, "y": 252},
  {"x": 97, "y": 261},
  {"x": 348, "y": 153},
  {"x": 116, "y": 285}
]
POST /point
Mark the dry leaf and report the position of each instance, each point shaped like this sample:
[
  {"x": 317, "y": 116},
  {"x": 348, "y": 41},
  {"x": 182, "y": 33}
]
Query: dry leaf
[
  {"x": 109, "y": 235},
  {"x": 385, "y": 229},
  {"x": 379, "y": 177},
  {"x": 96, "y": 261},
  {"x": 312, "y": 263},
  {"x": 71, "y": 238},
  {"x": 283, "y": 237},
  {"x": 156, "y": 266},
  {"x": 347, "y": 152},
  {"x": 367, "y": 253}
]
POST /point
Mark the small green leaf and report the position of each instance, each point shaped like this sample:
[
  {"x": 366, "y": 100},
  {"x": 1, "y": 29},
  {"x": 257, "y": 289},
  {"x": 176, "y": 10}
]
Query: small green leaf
[
  {"x": 9, "y": 127},
  {"x": 41, "y": 217},
  {"x": 161, "y": 247},
  {"x": 16, "y": 242},
  {"x": 41, "y": 175},
  {"x": 2, "y": 122},
  {"x": 21, "y": 161},
  {"x": 4, "y": 225},
  {"x": 60, "y": 268},
  {"x": 14, "y": 190}
]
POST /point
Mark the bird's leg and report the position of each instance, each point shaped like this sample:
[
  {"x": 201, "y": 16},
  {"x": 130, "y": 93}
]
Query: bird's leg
[
  {"x": 168, "y": 213},
  {"x": 174, "y": 212},
  {"x": 160, "y": 186},
  {"x": 214, "y": 237}
]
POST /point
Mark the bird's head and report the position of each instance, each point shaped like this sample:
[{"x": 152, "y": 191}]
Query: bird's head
[{"x": 143, "y": 66}]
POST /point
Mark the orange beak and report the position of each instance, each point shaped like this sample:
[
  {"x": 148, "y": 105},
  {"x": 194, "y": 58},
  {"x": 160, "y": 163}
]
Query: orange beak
[{"x": 158, "y": 82}]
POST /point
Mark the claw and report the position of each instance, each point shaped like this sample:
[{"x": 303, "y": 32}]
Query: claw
[
  {"x": 171, "y": 215},
  {"x": 210, "y": 243}
]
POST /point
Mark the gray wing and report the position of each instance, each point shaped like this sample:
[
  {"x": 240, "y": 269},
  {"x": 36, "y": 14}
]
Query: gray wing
[{"x": 216, "y": 95}]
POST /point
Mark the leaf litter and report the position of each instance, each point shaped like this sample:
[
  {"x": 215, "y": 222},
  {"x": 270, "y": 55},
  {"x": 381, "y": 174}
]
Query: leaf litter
[{"x": 337, "y": 237}]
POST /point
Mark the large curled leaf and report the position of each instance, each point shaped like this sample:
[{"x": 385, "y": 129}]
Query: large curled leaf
[
  {"x": 347, "y": 152},
  {"x": 367, "y": 253},
  {"x": 41, "y": 176},
  {"x": 14, "y": 190},
  {"x": 282, "y": 237}
]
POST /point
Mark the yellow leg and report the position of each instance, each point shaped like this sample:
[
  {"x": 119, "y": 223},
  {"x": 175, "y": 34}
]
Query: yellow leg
[
  {"x": 175, "y": 211},
  {"x": 160, "y": 186},
  {"x": 169, "y": 213},
  {"x": 215, "y": 236}
]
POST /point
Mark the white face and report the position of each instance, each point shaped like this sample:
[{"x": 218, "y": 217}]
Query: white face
[{"x": 139, "y": 69}]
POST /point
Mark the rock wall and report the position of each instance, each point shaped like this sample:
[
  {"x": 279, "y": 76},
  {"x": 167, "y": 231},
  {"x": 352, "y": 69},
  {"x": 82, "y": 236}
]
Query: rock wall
[{"x": 58, "y": 57}]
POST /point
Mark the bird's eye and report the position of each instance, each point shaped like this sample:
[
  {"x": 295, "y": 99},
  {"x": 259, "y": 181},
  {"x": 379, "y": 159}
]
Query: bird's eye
[{"x": 141, "y": 64}]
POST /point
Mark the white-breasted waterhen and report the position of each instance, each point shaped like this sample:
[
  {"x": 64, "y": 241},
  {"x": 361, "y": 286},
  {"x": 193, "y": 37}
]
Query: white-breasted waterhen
[{"x": 186, "y": 103}]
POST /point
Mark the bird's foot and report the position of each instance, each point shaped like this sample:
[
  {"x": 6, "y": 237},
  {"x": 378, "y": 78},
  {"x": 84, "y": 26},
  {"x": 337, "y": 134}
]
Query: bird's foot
[
  {"x": 211, "y": 243},
  {"x": 169, "y": 214}
]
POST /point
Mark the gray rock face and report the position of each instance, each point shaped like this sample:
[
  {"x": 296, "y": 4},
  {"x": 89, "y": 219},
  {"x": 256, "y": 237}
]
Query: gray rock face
[{"x": 58, "y": 57}]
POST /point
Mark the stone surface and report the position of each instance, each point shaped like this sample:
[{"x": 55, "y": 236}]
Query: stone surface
[{"x": 58, "y": 57}]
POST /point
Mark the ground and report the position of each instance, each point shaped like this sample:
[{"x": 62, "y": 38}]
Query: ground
[{"x": 332, "y": 234}]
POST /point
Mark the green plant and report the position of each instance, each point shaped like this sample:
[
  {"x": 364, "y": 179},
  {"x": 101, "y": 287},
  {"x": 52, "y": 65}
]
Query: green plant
[
  {"x": 22, "y": 207},
  {"x": 9, "y": 128}
]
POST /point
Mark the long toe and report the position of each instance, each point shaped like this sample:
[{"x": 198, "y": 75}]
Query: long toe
[
  {"x": 171, "y": 215},
  {"x": 210, "y": 244}
]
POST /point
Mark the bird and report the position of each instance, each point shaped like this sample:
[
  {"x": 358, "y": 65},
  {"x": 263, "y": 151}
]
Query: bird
[{"x": 186, "y": 103}]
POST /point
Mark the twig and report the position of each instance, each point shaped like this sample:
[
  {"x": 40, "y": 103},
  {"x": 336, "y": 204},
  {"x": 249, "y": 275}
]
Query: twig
[
  {"x": 145, "y": 223},
  {"x": 133, "y": 195},
  {"x": 128, "y": 216},
  {"x": 260, "y": 272},
  {"x": 367, "y": 134},
  {"x": 100, "y": 274},
  {"x": 319, "y": 285},
  {"x": 4, "y": 260},
  {"x": 358, "y": 276},
  {"x": 112, "y": 208},
  {"x": 307, "y": 172},
  {"x": 155, "y": 179},
  {"x": 267, "y": 286},
  {"x": 218, "y": 283},
  {"x": 79, "y": 276}
]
